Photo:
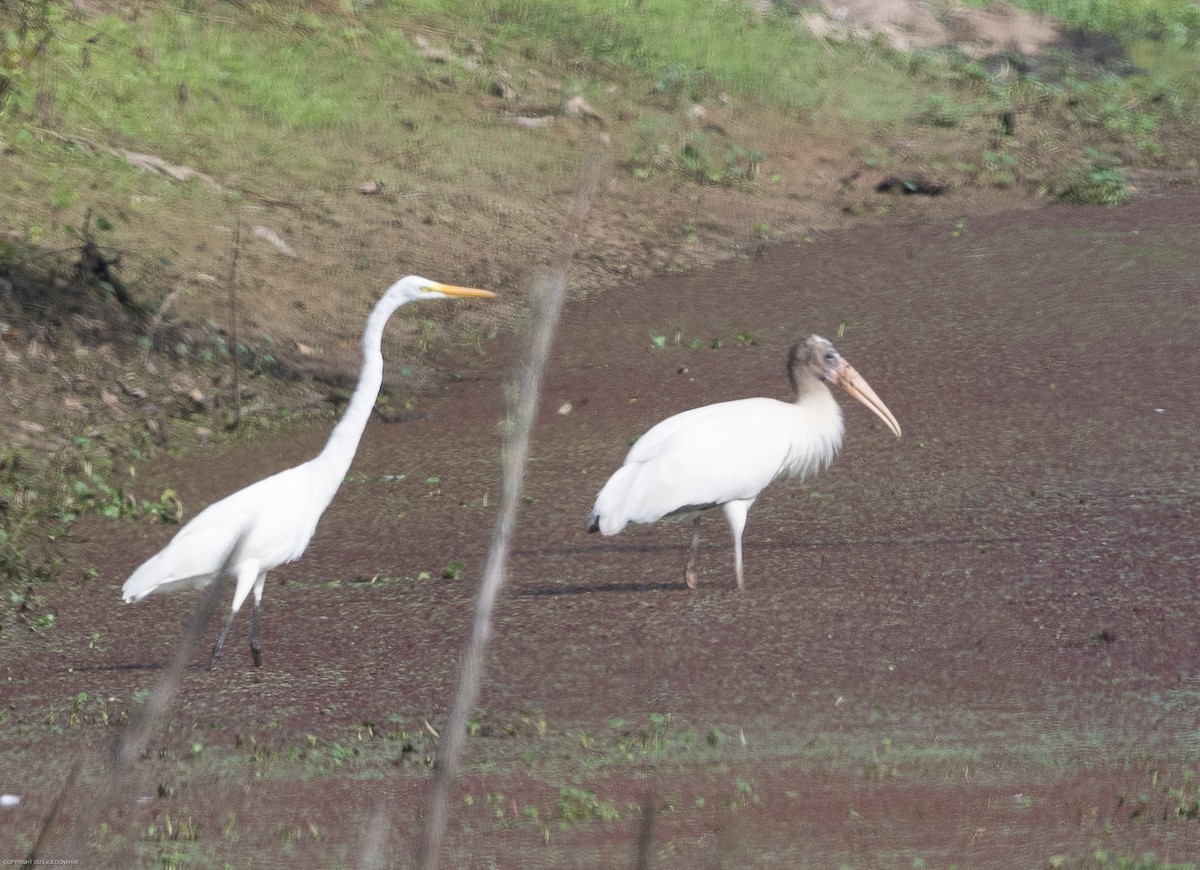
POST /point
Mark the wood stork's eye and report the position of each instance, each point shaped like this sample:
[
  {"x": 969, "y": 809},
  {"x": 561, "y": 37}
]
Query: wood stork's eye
[{"x": 831, "y": 356}]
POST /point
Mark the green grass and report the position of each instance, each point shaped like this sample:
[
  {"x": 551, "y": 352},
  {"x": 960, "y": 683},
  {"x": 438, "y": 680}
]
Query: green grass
[
  {"x": 1172, "y": 71},
  {"x": 279, "y": 98},
  {"x": 249, "y": 99}
]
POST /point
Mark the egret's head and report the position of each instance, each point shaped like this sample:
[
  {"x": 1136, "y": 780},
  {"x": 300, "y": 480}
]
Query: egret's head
[
  {"x": 815, "y": 358},
  {"x": 414, "y": 287}
]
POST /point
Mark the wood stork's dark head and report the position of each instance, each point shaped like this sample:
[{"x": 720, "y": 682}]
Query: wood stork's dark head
[{"x": 813, "y": 361}]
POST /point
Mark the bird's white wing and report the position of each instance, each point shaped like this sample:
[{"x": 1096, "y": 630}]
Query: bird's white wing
[
  {"x": 704, "y": 457},
  {"x": 277, "y": 515}
]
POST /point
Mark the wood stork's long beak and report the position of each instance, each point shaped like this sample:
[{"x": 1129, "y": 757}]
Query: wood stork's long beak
[
  {"x": 856, "y": 385},
  {"x": 451, "y": 290}
]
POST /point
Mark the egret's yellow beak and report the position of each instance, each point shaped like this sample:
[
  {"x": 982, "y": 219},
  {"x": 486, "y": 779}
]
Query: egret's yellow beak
[
  {"x": 856, "y": 385},
  {"x": 451, "y": 290}
]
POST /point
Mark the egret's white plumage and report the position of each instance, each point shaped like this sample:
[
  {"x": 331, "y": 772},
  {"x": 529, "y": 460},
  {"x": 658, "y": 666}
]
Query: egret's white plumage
[
  {"x": 726, "y": 454},
  {"x": 279, "y": 514}
]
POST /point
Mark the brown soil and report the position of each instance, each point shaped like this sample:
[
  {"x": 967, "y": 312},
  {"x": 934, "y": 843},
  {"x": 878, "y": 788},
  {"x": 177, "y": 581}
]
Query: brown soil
[{"x": 973, "y": 646}]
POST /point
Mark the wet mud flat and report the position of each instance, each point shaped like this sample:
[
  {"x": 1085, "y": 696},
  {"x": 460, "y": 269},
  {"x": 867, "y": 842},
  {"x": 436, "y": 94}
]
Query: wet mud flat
[{"x": 972, "y": 646}]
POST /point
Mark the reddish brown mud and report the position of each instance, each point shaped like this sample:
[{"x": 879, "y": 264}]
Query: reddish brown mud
[{"x": 972, "y": 646}]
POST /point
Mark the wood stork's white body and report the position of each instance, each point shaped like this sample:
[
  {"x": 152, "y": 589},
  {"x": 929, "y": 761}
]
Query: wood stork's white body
[
  {"x": 726, "y": 454},
  {"x": 276, "y": 517},
  {"x": 671, "y": 469}
]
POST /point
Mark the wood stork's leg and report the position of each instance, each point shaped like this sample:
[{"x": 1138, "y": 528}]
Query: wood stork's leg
[
  {"x": 255, "y": 645},
  {"x": 735, "y": 515},
  {"x": 247, "y": 573},
  {"x": 689, "y": 573}
]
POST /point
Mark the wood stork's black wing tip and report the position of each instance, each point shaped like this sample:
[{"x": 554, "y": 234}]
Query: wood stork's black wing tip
[{"x": 594, "y": 523}]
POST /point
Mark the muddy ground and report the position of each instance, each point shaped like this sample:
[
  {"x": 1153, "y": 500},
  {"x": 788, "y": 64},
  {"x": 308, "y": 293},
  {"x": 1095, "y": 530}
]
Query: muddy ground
[{"x": 973, "y": 646}]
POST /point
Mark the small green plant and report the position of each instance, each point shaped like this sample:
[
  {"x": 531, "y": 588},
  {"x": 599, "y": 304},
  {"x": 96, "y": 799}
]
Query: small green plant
[
  {"x": 651, "y": 150},
  {"x": 477, "y": 722},
  {"x": 882, "y": 766},
  {"x": 77, "y": 709},
  {"x": 1001, "y": 167},
  {"x": 678, "y": 83},
  {"x": 579, "y": 805},
  {"x": 1172, "y": 800},
  {"x": 654, "y": 738},
  {"x": 704, "y": 156},
  {"x": 743, "y": 796},
  {"x": 28, "y": 544},
  {"x": 171, "y": 834},
  {"x": 1182, "y": 800},
  {"x": 712, "y": 159},
  {"x": 453, "y": 570},
  {"x": 173, "y": 857},
  {"x": 28, "y": 606},
  {"x": 940, "y": 111},
  {"x": 1099, "y": 180},
  {"x": 90, "y": 493}
]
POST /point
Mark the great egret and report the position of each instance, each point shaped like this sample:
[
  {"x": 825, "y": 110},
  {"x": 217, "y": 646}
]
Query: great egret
[
  {"x": 279, "y": 514},
  {"x": 726, "y": 454}
]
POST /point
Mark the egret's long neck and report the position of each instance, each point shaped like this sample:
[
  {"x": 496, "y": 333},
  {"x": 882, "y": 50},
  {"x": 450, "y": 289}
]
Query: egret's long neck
[{"x": 343, "y": 442}]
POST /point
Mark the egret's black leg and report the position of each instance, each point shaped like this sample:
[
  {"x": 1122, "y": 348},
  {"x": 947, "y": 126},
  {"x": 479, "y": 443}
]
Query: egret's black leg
[
  {"x": 255, "y": 646},
  {"x": 689, "y": 573},
  {"x": 216, "y": 656}
]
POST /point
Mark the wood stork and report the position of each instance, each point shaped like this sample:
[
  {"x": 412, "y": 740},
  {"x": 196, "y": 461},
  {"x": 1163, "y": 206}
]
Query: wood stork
[
  {"x": 278, "y": 515},
  {"x": 724, "y": 455}
]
